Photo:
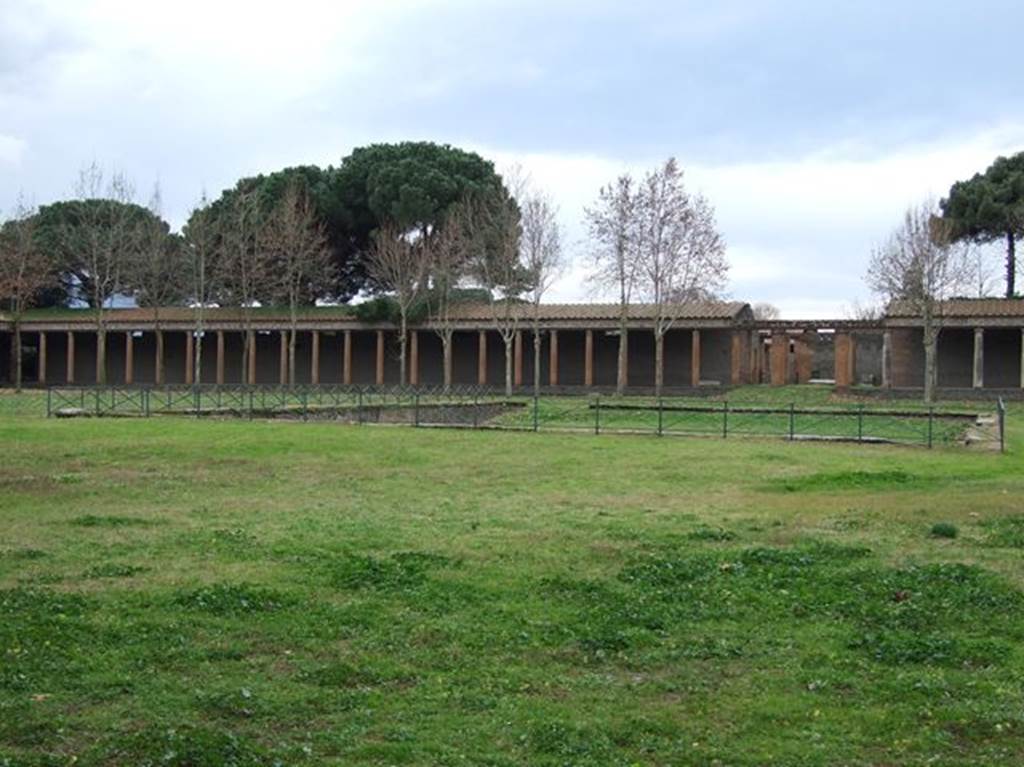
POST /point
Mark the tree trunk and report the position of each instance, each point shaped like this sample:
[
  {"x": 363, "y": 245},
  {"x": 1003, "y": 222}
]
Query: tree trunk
[
  {"x": 197, "y": 363},
  {"x": 246, "y": 351},
  {"x": 1011, "y": 264},
  {"x": 292, "y": 344},
  {"x": 101, "y": 356},
  {"x": 158, "y": 374},
  {"x": 446, "y": 342},
  {"x": 508, "y": 364},
  {"x": 536, "y": 360},
  {"x": 620, "y": 383},
  {"x": 16, "y": 355},
  {"x": 402, "y": 346},
  {"x": 930, "y": 354},
  {"x": 659, "y": 361}
]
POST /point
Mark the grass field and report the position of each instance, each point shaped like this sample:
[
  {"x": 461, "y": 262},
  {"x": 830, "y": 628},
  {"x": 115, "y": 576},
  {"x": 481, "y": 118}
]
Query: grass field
[{"x": 218, "y": 592}]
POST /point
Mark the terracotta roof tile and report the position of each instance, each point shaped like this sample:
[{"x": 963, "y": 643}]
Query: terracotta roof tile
[{"x": 694, "y": 310}]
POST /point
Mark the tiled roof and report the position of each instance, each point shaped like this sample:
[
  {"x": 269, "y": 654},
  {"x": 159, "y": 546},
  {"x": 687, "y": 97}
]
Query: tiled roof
[
  {"x": 187, "y": 314},
  {"x": 966, "y": 307},
  {"x": 693, "y": 310}
]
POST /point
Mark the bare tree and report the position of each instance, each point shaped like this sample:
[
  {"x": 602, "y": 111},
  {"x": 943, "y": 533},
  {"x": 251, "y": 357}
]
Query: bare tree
[
  {"x": 765, "y": 311},
  {"x": 401, "y": 267},
  {"x": 681, "y": 253},
  {"x": 25, "y": 269},
  {"x": 542, "y": 258},
  {"x": 244, "y": 267},
  {"x": 919, "y": 266},
  {"x": 613, "y": 232},
  {"x": 984, "y": 276},
  {"x": 446, "y": 252},
  {"x": 494, "y": 234},
  {"x": 154, "y": 269},
  {"x": 103, "y": 232},
  {"x": 865, "y": 312},
  {"x": 200, "y": 249},
  {"x": 296, "y": 243}
]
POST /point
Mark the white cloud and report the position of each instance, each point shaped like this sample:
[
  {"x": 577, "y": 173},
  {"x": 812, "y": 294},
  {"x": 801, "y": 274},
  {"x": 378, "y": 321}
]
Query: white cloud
[
  {"x": 800, "y": 231},
  {"x": 12, "y": 149}
]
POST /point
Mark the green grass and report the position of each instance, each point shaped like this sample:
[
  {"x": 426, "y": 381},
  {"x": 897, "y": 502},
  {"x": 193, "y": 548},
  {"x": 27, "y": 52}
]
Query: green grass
[{"x": 224, "y": 592}]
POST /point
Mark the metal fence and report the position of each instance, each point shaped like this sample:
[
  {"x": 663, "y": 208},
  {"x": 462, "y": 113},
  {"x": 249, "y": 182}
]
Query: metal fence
[{"x": 484, "y": 408}]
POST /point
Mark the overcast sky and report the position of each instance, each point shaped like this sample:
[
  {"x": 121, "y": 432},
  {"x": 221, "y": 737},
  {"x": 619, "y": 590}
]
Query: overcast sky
[{"x": 809, "y": 125}]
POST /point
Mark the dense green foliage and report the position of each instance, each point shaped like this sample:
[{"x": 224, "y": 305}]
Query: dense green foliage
[
  {"x": 71, "y": 229},
  {"x": 185, "y": 592},
  {"x": 411, "y": 184},
  {"x": 990, "y": 206},
  {"x": 321, "y": 188}
]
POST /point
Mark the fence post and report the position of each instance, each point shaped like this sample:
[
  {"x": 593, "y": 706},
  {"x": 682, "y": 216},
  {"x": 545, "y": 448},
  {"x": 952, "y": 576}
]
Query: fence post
[
  {"x": 860, "y": 423},
  {"x": 416, "y": 409},
  {"x": 597, "y": 414},
  {"x": 198, "y": 399},
  {"x": 661, "y": 418},
  {"x": 97, "y": 398},
  {"x": 792, "y": 420},
  {"x": 145, "y": 402},
  {"x": 359, "y": 406},
  {"x": 304, "y": 399},
  {"x": 536, "y": 419},
  {"x": 250, "y": 404},
  {"x": 725, "y": 419},
  {"x": 476, "y": 408},
  {"x": 49, "y": 403},
  {"x": 931, "y": 418}
]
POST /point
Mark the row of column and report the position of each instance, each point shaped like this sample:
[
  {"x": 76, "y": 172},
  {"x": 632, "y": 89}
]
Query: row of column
[
  {"x": 249, "y": 357},
  {"x": 553, "y": 358},
  {"x": 845, "y": 354}
]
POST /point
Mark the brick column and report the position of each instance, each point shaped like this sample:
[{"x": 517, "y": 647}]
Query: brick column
[
  {"x": 129, "y": 358},
  {"x": 887, "y": 359},
  {"x": 414, "y": 357},
  {"x": 780, "y": 359},
  {"x": 588, "y": 360},
  {"x": 843, "y": 350},
  {"x": 346, "y": 358},
  {"x": 736, "y": 358},
  {"x": 805, "y": 359},
  {"x": 695, "y": 359},
  {"x": 314, "y": 373},
  {"x": 756, "y": 350},
  {"x": 101, "y": 357},
  {"x": 41, "y": 358},
  {"x": 220, "y": 357},
  {"x": 481, "y": 361},
  {"x": 518, "y": 359},
  {"x": 978, "y": 379},
  {"x": 553, "y": 359},
  {"x": 379, "y": 378},
  {"x": 158, "y": 360},
  {"x": 282, "y": 363},
  {"x": 190, "y": 358},
  {"x": 252, "y": 357},
  {"x": 1022, "y": 358},
  {"x": 70, "y": 373}
]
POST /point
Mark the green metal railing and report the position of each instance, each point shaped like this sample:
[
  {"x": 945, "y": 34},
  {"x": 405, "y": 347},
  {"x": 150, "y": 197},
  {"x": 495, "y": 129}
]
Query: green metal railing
[{"x": 481, "y": 407}]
